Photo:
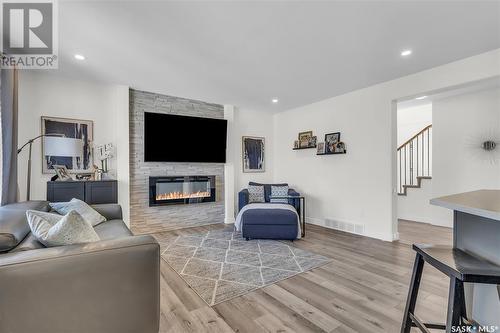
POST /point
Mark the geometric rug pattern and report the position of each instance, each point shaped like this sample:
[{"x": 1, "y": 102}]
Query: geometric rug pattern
[{"x": 219, "y": 264}]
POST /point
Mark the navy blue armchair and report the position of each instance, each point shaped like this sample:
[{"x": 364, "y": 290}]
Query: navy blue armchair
[{"x": 243, "y": 195}]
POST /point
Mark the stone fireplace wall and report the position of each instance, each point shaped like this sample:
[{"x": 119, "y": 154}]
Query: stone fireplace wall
[{"x": 145, "y": 219}]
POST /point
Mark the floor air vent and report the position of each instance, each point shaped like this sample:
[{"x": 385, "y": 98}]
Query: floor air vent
[{"x": 345, "y": 226}]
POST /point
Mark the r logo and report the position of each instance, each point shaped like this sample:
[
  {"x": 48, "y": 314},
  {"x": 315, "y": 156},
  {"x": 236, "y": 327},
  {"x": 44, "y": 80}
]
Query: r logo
[{"x": 27, "y": 28}]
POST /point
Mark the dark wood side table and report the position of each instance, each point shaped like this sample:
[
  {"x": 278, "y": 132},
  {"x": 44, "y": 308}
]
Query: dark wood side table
[
  {"x": 90, "y": 191},
  {"x": 302, "y": 209}
]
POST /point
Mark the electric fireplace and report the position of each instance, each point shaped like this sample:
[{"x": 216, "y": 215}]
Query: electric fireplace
[{"x": 181, "y": 190}]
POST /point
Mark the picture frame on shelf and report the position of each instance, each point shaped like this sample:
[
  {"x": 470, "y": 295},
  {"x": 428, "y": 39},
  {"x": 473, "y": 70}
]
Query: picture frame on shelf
[
  {"x": 331, "y": 139},
  {"x": 320, "y": 148},
  {"x": 313, "y": 141},
  {"x": 296, "y": 144},
  {"x": 340, "y": 148},
  {"x": 305, "y": 139}
]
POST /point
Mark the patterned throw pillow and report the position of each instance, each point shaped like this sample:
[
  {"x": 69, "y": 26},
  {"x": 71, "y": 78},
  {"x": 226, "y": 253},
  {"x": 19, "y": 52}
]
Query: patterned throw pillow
[
  {"x": 279, "y": 191},
  {"x": 56, "y": 230},
  {"x": 81, "y": 207},
  {"x": 255, "y": 193}
]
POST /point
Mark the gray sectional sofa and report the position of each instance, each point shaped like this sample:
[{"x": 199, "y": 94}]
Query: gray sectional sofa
[{"x": 107, "y": 286}]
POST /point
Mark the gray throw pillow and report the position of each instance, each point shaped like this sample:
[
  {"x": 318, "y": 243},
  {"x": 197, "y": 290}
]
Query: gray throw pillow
[
  {"x": 279, "y": 191},
  {"x": 56, "y": 230},
  {"x": 255, "y": 193},
  {"x": 87, "y": 212}
]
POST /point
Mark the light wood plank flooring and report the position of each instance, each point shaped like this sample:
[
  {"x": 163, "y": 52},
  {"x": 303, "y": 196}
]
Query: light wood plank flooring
[
  {"x": 416, "y": 232},
  {"x": 363, "y": 289}
]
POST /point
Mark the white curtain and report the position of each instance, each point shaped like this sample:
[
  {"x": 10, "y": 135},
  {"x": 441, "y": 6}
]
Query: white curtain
[{"x": 8, "y": 119}]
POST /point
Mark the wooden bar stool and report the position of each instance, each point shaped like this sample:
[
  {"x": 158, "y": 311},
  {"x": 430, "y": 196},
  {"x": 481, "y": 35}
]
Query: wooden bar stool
[{"x": 460, "y": 267}]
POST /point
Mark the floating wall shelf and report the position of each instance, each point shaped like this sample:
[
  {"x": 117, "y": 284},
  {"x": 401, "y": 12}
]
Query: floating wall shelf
[
  {"x": 333, "y": 153},
  {"x": 304, "y": 148}
]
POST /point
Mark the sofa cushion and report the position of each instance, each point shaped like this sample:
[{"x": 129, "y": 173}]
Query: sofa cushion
[
  {"x": 267, "y": 188},
  {"x": 109, "y": 211},
  {"x": 256, "y": 193},
  {"x": 13, "y": 224},
  {"x": 55, "y": 230},
  {"x": 28, "y": 243},
  {"x": 112, "y": 229},
  {"x": 81, "y": 207}
]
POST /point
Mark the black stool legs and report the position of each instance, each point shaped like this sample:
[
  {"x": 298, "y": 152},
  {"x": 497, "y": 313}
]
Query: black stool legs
[
  {"x": 456, "y": 303},
  {"x": 411, "y": 301}
]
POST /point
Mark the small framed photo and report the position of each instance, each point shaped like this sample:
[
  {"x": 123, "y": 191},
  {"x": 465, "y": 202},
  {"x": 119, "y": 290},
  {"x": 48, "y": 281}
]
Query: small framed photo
[
  {"x": 312, "y": 141},
  {"x": 320, "y": 148},
  {"x": 340, "y": 147},
  {"x": 305, "y": 139},
  {"x": 62, "y": 173},
  {"x": 331, "y": 140},
  {"x": 296, "y": 144}
]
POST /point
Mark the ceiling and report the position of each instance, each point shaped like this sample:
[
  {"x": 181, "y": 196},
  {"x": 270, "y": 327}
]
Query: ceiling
[
  {"x": 426, "y": 98},
  {"x": 246, "y": 53}
]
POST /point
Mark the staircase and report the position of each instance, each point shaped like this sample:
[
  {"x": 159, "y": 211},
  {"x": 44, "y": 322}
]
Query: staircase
[{"x": 414, "y": 160}]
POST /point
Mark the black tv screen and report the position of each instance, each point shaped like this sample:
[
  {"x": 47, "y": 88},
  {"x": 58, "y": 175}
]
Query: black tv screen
[{"x": 172, "y": 138}]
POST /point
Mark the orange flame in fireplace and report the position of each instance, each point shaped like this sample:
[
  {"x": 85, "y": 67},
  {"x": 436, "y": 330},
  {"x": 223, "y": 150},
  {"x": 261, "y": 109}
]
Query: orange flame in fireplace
[{"x": 179, "y": 195}]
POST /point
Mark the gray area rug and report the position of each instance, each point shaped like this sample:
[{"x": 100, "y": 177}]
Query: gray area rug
[{"x": 220, "y": 265}]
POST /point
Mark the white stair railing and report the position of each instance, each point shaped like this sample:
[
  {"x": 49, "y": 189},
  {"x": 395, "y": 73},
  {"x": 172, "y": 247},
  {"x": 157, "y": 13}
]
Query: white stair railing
[{"x": 414, "y": 159}]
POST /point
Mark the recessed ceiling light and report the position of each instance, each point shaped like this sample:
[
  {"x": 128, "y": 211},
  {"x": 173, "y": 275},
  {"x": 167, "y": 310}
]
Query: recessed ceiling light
[
  {"x": 421, "y": 97},
  {"x": 79, "y": 57},
  {"x": 406, "y": 53},
  {"x": 275, "y": 100}
]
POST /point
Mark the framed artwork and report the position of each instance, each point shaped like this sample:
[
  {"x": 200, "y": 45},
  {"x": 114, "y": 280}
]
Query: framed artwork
[
  {"x": 71, "y": 144},
  {"x": 296, "y": 144},
  {"x": 253, "y": 149},
  {"x": 320, "y": 148},
  {"x": 305, "y": 139},
  {"x": 331, "y": 140},
  {"x": 62, "y": 173}
]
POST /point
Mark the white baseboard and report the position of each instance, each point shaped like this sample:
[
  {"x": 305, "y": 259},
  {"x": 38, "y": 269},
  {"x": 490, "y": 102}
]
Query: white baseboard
[{"x": 350, "y": 227}]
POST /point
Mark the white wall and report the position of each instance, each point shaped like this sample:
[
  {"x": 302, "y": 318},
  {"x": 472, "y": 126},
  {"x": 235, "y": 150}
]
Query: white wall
[
  {"x": 360, "y": 187},
  {"x": 252, "y": 123},
  {"x": 260, "y": 124},
  {"x": 49, "y": 94},
  {"x": 42, "y": 94},
  {"x": 412, "y": 120},
  {"x": 460, "y": 124}
]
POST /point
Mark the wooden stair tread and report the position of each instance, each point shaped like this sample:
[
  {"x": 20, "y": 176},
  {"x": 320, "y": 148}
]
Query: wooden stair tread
[{"x": 418, "y": 185}]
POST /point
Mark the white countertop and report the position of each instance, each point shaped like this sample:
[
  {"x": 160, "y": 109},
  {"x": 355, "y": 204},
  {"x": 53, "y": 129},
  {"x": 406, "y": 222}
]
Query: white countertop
[{"x": 485, "y": 203}]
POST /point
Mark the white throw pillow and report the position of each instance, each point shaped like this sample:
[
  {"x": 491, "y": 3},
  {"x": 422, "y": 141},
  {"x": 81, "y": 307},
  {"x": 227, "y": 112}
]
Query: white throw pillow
[
  {"x": 87, "y": 212},
  {"x": 256, "y": 193},
  {"x": 56, "y": 230}
]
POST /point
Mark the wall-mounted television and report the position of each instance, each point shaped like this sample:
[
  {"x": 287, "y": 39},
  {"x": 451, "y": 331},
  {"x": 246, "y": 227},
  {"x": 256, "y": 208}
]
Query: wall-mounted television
[{"x": 173, "y": 138}]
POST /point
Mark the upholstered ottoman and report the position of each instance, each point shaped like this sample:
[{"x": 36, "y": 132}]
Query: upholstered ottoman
[{"x": 268, "y": 221}]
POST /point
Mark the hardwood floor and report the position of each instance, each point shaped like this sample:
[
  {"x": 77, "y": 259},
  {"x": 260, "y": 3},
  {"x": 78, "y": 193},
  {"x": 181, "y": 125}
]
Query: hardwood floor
[
  {"x": 363, "y": 289},
  {"x": 415, "y": 232}
]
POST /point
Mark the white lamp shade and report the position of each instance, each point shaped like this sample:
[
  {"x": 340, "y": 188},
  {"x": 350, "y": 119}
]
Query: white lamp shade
[{"x": 68, "y": 147}]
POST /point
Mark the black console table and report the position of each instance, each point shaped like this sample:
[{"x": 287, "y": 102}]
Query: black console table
[{"x": 90, "y": 191}]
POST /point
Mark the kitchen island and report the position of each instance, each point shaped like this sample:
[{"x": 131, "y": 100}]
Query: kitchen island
[{"x": 476, "y": 230}]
